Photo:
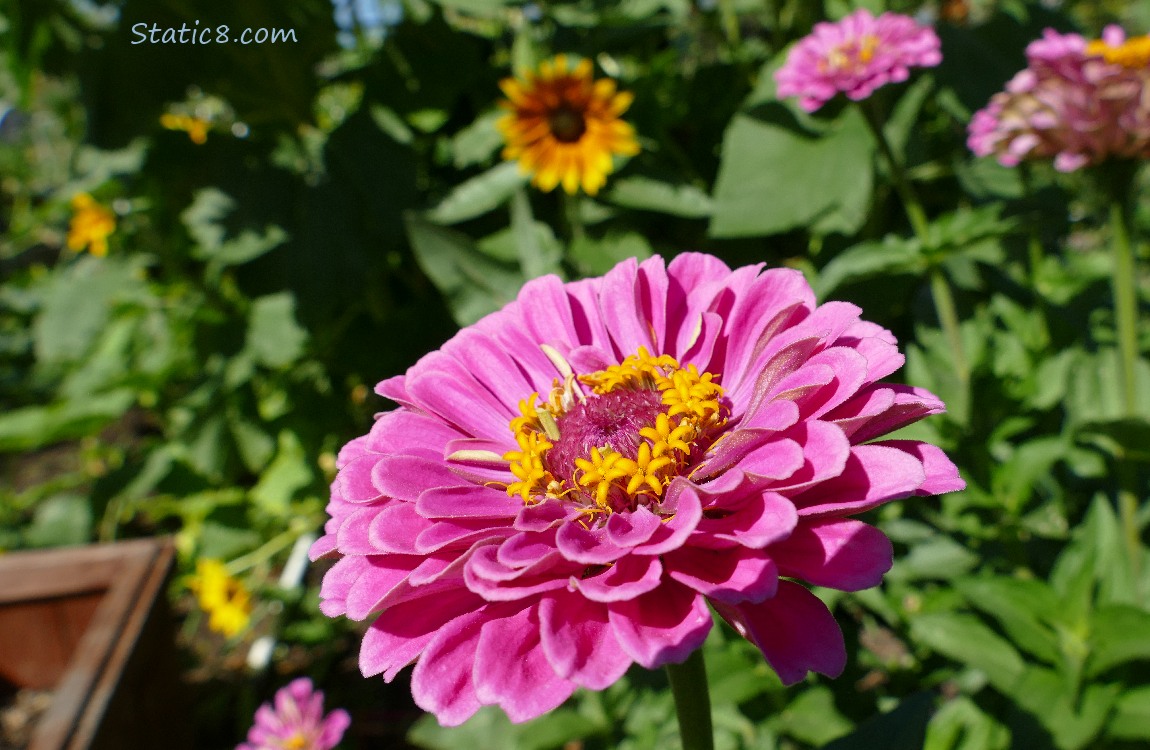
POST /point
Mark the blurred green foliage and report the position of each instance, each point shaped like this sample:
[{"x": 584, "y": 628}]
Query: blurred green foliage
[{"x": 349, "y": 209}]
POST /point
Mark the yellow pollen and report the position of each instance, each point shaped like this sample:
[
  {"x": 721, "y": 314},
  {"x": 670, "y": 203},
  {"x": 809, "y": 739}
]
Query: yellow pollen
[
  {"x": 1133, "y": 53},
  {"x": 296, "y": 742},
  {"x": 527, "y": 466},
  {"x": 530, "y": 416},
  {"x": 851, "y": 55},
  {"x": 605, "y": 479}
]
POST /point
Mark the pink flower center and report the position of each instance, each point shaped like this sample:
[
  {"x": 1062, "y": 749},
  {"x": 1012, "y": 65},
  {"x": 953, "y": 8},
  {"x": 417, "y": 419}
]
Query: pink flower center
[
  {"x": 610, "y": 422},
  {"x": 852, "y": 56},
  {"x": 646, "y": 421}
]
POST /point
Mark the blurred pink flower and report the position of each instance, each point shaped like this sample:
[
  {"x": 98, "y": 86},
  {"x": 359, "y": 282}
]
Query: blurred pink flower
[
  {"x": 856, "y": 55},
  {"x": 515, "y": 554},
  {"x": 296, "y": 722},
  {"x": 1077, "y": 102}
]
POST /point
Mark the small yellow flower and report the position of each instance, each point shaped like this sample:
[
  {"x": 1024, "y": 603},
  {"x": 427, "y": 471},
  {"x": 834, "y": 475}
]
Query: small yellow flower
[
  {"x": 91, "y": 224},
  {"x": 563, "y": 126},
  {"x": 196, "y": 127},
  {"x": 222, "y": 597}
]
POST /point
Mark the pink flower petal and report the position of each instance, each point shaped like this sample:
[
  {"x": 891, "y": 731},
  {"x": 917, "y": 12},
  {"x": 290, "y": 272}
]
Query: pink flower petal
[
  {"x": 763, "y": 519},
  {"x": 579, "y": 642},
  {"x": 661, "y": 627},
  {"x": 839, "y": 553},
  {"x": 794, "y": 630},
  {"x": 401, "y": 633},
  {"x": 467, "y": 501},
  {"x": 441, "y": 682},
  {"x": 874, "y": 474},
  {"x": 630, "y": 577},
  {"x": 731, "y": 576},
  {"x": 512, "y": 670}
]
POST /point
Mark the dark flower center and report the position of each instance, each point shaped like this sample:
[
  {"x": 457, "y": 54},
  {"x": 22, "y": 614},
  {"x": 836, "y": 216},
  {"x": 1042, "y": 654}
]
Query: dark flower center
[{"x": 566, "y": 123}]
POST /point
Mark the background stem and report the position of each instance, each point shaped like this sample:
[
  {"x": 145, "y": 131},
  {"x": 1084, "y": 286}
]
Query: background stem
[
  {"x": 943, "y": 299},
  {"x": 1124, "y": 281},
  {"x": 692, "y": 702}
]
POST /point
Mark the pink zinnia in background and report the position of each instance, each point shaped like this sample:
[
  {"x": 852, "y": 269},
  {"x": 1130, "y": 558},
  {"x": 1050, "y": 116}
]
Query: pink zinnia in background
[
  {"x": 569, "y": 482},
  {"x": 1077, "y": 102},
  {"x": 296, "y": 721},
  {"x": 855, "y": 56}
]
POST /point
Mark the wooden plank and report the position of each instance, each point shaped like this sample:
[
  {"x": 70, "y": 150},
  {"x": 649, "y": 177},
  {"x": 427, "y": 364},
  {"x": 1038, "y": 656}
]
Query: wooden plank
[
  {"x": 38, "y": 574},
  {"x": 38, "y": 638},
  {"x": 121, "y": 585}
]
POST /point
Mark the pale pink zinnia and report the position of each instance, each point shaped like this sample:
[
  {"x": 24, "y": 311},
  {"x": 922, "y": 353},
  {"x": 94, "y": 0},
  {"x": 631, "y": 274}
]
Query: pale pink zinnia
[
  {"x": 296, "y": 721},
  {"x": 1077, "y": 102},
  {"x": 703, "y": 436},
  {"x": 855, "y": 56}
]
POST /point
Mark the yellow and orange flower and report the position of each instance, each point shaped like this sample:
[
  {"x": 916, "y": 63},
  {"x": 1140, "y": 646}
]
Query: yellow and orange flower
[
  {"x": 563, "y": 125},
  {"x": 91, "y": 225},
  {"x": 224, "y": 598},
  {"x": 197, "y": 128}
]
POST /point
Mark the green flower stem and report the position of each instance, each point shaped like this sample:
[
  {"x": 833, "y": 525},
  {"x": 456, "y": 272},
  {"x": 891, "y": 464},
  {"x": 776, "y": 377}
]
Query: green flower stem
[
  {"x": 1126, "y": 322},
  {"x": 1124, "y": 281},
  {"x": 730, "y": 21},
  {"x": 940, "y": 290},
  {"x": 573, "y": 214},
  {"x": 910, "y": 202},
  {"x": 265, "y": 552},
  {"x": 692, "y": 702},
  {"x": 1034, "y": 253}
]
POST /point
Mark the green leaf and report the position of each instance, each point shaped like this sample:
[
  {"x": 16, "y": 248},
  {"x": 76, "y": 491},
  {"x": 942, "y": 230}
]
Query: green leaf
[
  {"x": 966, "y": 639},
  {"x": 1126, "y": 439},
  {"x": 1094, "y": 395},
  {"x": 107, "y": 364},
  {"x": 207, "y": 450},
  {"x": 940, "y": 558},
  {"x": 476, "y": 142},
  {"x": 289, "y": 472},
  {"x": 537, "y": 250},
  {"x": 1074, "y": 721},
  {"x": 472, "y": 283},
  {"x": 222, "y": 542},
  {"x": 490, "y": 728},
  {"x": 1097, "y": 555},
  {"x": 274, "y": 337},
  {"x": 1021, "y": 607},
  {"x": 1120, "y": 633},
  {"x": 203, "y": 219},
  {"x": 1131, "y": 717},
  {"x": 35, "y": 426},
  {"x": 1030, "y": 463},
  {"x": 646, "y": 194},
  {"x": 479, "y": 195},
  {"x": 59, "y": 521},
  {"x": 902, "y": 119},
  {"x": 813, "y": 718},
  {"x": 255, "y": 445},
  {"x": 77, "y": 305},
  {"x": 594, "y": 257},
  {"x": 776, "y": 175},
  {"x": 891, "y": 255},
  {"x": 904, "y": 728},
  {"x": 959, "y": 724}
]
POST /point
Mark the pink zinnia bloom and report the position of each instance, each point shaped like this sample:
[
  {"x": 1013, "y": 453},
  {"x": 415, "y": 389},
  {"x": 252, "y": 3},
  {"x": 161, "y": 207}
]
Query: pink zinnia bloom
[
  {"x": 1077, "y": 102},
  {"x": 296, "y": 722},
  {"x": 703, "y": 437},
  {"x": 857, "y": 55}
]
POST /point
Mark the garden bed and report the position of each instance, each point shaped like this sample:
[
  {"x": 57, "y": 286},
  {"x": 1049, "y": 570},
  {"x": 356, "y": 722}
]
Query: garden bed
[{"x": 91, "y": 625}]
